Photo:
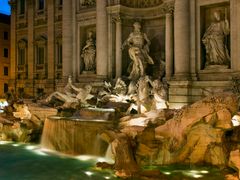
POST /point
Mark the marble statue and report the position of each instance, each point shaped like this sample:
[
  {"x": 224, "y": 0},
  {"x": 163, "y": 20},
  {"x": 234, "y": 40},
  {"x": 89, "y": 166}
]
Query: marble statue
[
  {"x": 214, "y": 41},
  {"x": 138, "y": 44},
  {"x": 22, "y": 111},
  {"x": 89, "y": 53},
  {"x": 120, "y": 87},
  {"x": 72, "y": 95},
  {"x": 159, "y": 92}
]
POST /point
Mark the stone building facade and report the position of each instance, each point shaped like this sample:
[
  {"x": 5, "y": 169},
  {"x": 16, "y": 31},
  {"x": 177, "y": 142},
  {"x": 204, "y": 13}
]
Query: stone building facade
[
  {"x": 4, "y": 53},
  {"x": 49, "y": 38}
]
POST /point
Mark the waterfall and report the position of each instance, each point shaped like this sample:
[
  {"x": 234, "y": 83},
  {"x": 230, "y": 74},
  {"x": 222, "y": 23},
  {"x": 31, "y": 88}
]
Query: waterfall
[
  {"x": 75, "y": 136},
  {"x": 109, "y": 154}
]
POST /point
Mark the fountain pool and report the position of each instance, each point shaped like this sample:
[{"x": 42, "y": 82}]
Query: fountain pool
[{"x": 28, "y": 162}]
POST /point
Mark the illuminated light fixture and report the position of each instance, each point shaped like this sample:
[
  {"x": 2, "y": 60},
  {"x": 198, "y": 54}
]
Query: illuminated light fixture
[
  {"x": 197, "y": 175},
  {"x": 89, "y": 173}
]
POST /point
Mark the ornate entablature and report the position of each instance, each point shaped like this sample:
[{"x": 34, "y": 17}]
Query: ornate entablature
[
  {"x": 166, "y": 6},
  {"x": 141, "y": 3}
]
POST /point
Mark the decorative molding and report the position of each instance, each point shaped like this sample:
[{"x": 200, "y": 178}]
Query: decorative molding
[
  {"x": 22, "y": 43},
  {"x": 141, "y": 3},
  {"x": 40, "y": 40},
  {"x": 141, "y": 13},
  {"x": 168, "y": 7},
  {"x": 116, "y": 18},
  {"x": 87, "y": 4}
]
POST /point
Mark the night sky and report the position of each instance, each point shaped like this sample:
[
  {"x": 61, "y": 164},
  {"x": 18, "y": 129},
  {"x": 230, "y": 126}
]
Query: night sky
[{"x": 4, "y": 7}]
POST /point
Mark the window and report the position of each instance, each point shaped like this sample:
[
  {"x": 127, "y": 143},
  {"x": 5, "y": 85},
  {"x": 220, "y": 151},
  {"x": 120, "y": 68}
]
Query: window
[
  {"x": 21, "y": 56},
  {"x": 5, "y": 71},
  {"x": 22, "y": 7},
  {"x": 40, "y": 4},
  {"x": 40, "y": 55},
  {"x": 5, "y": 35},
  {"x": 5, "y": 52},
  {"x": 20, "y": 92},
  {"x": 5, "y": 88}
]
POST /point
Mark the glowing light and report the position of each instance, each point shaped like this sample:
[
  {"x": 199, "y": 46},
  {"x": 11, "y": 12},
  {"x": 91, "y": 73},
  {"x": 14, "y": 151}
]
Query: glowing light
[
  {"x": 84, "y": 158},
  {"x": 204, "y": 172},
  {"x": 101, "y": 159},
  {"x": 167, "y": 173},
  {"x": 89, "y": 173},
  {"x": 16, "y": 145},
  {"x": 197, "y": 175},
  {"x": 39, "y": 152},
  {"x": 29, "y": 147},
  {"x": 193, "y": 171},
  {"x": 107, "y": 177},
  {"x": 5, "y": 142}
]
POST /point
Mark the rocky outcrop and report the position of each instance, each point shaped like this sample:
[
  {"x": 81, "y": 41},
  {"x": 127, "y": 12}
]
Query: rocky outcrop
[
  {"x": 201, "y": 133},
  {"x": 196, "y": 133},
  {"x": 24, "y": 123}
]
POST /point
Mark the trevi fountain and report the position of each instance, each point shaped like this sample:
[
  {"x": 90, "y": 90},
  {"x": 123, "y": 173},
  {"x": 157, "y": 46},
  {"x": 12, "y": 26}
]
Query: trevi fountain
[{"x": 166, "y": 108}]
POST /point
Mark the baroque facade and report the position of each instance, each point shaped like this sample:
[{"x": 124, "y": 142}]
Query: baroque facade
[
  {"x": 4, "y": 53},
  {"x": 51, "y": 40}
]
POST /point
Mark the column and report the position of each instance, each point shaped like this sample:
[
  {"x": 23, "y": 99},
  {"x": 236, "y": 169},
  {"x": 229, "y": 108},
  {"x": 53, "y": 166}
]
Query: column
[
  {"x": 51, "y": 45},
  {"x": 30, "y": 54},
  {"x": 13, "y": 45},
  {"x": 118, "y": 47},
  {"x": 101, "y": 41},
  {"x": 67, "y": 39},
  {"x": 169, "y": 45},
  {"x": 182, "y": 39}
]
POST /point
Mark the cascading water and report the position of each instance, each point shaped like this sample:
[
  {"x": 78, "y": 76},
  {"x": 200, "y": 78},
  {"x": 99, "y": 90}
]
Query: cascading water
[{"x": 75, "y": 136}]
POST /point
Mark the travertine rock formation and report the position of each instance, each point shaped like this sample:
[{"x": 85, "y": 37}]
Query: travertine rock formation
[{"x": 201, "y": 133}]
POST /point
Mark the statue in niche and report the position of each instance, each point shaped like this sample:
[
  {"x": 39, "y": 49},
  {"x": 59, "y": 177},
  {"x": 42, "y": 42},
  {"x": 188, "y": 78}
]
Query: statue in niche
[
  {"x": 214, "y": 40},
  {"x": 89, "y": 53},
  {"x": 138, "y": 44}
]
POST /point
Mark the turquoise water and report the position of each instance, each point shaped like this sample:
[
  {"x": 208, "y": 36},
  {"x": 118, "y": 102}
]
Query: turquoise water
[
  {"x": 183, "y": 172},
  {"x": 28, "y": 162}
]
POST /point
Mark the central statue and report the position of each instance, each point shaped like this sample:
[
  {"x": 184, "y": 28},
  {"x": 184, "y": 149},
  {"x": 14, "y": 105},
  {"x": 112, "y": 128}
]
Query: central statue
[{"x": 138, "y": 44}]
